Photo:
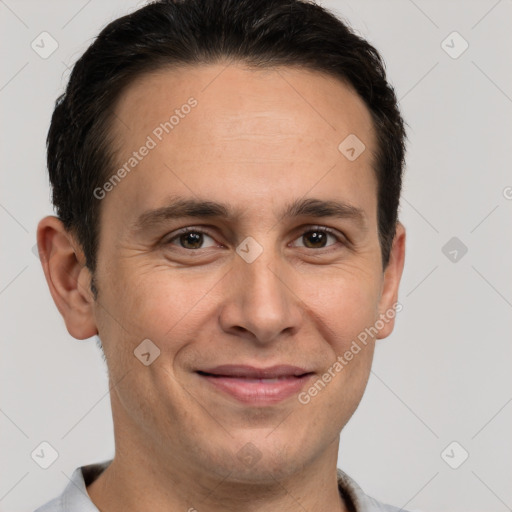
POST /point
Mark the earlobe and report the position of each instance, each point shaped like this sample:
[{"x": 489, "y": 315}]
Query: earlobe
[
  {"x": 388, "y": 304},
  {"x": 67, "y": 276}
]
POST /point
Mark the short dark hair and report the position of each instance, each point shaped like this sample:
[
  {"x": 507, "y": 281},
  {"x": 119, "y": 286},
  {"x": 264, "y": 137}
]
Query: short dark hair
[{"x": 167, "y": 33}]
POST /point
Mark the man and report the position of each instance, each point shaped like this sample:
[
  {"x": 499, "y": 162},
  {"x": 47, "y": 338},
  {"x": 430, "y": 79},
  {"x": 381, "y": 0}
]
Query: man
[{"x": 227, "y": 176}]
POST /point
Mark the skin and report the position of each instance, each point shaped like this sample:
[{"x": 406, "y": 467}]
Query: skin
[{"x": 256, "y": 140}]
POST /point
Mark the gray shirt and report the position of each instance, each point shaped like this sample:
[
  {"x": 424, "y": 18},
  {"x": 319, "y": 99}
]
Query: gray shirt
[{"x": 74, "y": 498}]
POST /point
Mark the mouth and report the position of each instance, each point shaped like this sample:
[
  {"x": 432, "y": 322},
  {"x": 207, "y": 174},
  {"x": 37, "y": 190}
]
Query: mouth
[
  {"x": 256, "y": 386},
  {"x": 247, "y": 379}
]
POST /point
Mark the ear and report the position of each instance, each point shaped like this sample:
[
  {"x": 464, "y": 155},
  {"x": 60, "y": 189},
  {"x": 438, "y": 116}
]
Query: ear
[
  {"x": 67, "y": 276},
  {"x": 388, "y": 306}
]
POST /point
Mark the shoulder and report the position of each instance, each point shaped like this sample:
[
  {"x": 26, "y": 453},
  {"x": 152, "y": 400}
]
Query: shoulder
[
  {"x": 360, "y": 501},
  {"x": 54, "y": 505},
  {"x": 74, "y": 497}
]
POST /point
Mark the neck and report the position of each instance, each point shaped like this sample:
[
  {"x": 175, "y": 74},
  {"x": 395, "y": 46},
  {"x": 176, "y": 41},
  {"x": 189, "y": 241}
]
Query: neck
[
  {"x": 161, "y": 474},
  {"x": 140, "y": 481}
]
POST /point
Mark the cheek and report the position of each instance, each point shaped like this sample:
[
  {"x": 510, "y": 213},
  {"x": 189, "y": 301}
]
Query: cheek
[
  {"x": 344, "y": 302},
  {"x": 159, "y": 303},
  {"x": 345, "y": 311},
  {"x": 167, "y": 305},
  {"x": 349, "y": 319}
]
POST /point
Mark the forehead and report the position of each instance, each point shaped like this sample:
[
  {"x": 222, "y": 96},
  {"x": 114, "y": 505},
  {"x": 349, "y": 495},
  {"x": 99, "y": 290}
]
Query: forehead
[
  {"x": 223, "y": 130},
  {"x": 266, "y": 100}
]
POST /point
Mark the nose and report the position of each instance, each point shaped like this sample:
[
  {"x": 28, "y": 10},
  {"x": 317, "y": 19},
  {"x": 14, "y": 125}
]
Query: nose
[{"x": 261, "y": 304}]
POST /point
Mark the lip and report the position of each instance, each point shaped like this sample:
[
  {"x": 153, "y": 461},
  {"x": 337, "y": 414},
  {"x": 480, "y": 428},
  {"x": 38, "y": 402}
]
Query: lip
[
  {"x": 261, "y": 386},
  {"x": 248, "y": 371}
]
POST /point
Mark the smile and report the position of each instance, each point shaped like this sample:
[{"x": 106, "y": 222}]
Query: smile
[{"x": 257, "y": 390}]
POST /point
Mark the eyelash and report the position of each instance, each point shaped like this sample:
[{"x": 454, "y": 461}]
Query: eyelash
[{"x": 322, "y": 229}]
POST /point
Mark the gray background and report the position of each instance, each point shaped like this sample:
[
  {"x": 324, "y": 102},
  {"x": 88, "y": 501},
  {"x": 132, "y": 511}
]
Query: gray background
[{"x": 444, "y": 374}]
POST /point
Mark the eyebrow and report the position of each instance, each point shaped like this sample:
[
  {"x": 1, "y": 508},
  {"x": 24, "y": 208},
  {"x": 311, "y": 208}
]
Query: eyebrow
[{"x": 180, "y": 207}]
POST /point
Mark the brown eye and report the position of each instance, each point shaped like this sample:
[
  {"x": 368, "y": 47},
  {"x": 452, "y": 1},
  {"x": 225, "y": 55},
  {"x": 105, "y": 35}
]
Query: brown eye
[
  {"x": 317, "y": 238},
  {"x": 190, "y": 238}
]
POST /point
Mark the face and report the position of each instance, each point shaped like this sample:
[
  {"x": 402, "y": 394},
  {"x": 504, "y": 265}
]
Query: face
[{"x": 284, "y": 269}]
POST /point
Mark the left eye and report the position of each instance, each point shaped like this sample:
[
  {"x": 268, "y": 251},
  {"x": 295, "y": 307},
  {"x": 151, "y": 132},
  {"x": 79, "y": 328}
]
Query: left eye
[{"x": 316, "y": 238}]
